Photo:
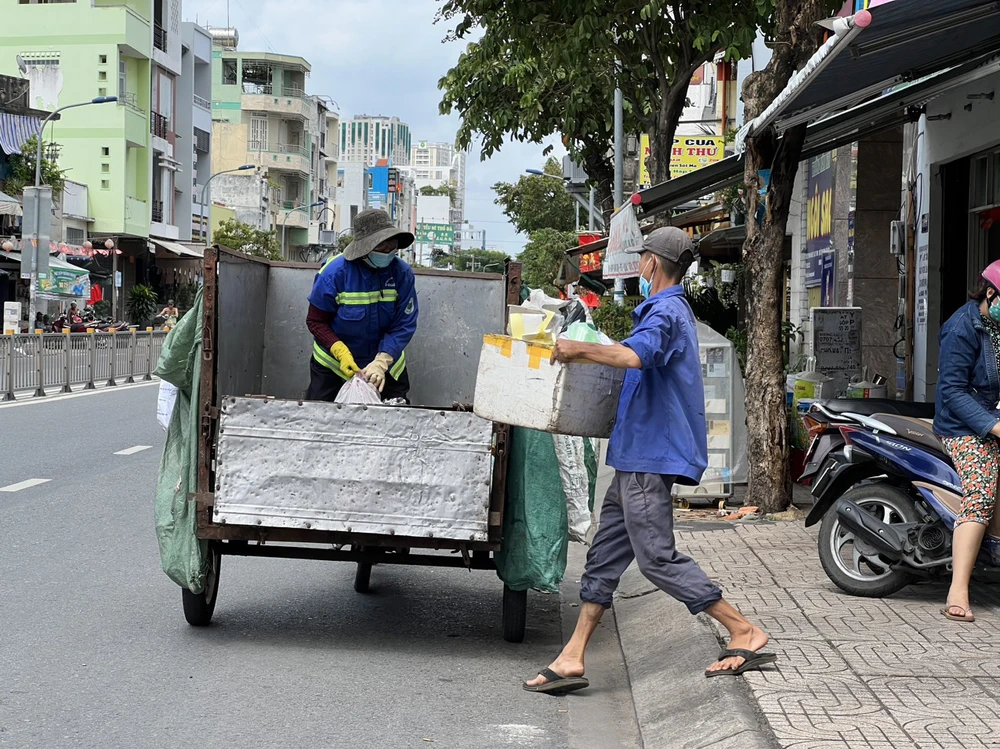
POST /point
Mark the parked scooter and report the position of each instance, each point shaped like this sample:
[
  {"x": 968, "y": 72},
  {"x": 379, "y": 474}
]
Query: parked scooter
[
  {"x": 824, "y": 420},
  {"x": 888, "y": 503}
]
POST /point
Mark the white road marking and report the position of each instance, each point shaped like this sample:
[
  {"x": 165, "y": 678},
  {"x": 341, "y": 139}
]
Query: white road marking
[
  {"x": 27, "y": 400},
  {"x": 133, "y": 450},
  {"x": 24, "y": 485}
]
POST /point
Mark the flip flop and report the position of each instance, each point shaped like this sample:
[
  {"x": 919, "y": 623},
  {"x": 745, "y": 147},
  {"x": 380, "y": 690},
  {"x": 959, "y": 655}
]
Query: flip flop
[
  {"x": 968, "y": 617},
  {"x": 557, "y": 684},
  {"x": 752, "y": 662}
]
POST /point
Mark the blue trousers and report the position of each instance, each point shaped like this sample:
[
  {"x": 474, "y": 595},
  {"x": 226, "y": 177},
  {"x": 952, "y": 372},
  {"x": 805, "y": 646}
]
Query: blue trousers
[{"x": 637, "y": 522}]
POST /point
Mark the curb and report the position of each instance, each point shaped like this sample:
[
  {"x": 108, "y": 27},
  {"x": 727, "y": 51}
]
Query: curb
[{"x": 666, "y": 652}]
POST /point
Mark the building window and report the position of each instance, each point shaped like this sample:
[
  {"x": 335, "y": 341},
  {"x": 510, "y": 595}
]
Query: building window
[
  {"x": 229, "y": 73},
  {"x": 102, "y": 92},
  {"x": 102, "y": 75},
  {"x": 105, "y": 168},
  {"x": 75, "y": 236},
  {"x": 105, "y": 151},
  {"x": 122, "y": 79},
  {"x": 102, "y": 59},
  {"x": 105, "y": 184},
  {"x": 44, "y": 2}
]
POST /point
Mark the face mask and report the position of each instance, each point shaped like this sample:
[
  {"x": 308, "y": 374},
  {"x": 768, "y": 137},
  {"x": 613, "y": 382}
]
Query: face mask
[
  {"x": 645, "y": 286},
  {"x": 994, "y": 307},
  {"x": 381, "y": 259}
]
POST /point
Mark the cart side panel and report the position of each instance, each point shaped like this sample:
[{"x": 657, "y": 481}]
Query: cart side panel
[
  {"x": 456, "y": 310},
  {"x": 241, "y": 303},
  {"x": 354, "y": 469}
]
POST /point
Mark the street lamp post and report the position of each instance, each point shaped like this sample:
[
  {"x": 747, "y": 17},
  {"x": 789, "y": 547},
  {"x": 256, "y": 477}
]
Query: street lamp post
[
  {"x": 204, "y": 189},
  {"x": 284, "y": 221},
  {"x": 33, "y": 280},
  {"x": 592, "y": 218}
]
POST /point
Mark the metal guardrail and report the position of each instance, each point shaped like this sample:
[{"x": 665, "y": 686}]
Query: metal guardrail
[{"x": 45, "y": 362}]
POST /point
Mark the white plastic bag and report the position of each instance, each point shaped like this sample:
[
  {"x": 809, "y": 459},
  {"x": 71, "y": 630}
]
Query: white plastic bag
[
  {"x": 570, "y": 452},
  {"x": 360, "y": 392},
  {"x": 165, "y": 404}
]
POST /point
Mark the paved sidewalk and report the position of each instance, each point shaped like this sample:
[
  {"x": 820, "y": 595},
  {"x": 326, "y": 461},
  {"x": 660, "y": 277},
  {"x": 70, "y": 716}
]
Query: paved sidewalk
[{"x": 855, "y": 672}]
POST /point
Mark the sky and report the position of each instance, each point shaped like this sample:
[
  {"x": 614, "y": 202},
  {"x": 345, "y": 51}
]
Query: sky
[{"x": 380, "y": 57}]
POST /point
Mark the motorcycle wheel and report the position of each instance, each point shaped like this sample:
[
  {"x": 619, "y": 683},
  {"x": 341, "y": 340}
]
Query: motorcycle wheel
[{"x": 857, "y": 573}]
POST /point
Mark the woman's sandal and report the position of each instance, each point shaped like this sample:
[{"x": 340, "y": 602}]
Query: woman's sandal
[{"x": 967, "y": 616}]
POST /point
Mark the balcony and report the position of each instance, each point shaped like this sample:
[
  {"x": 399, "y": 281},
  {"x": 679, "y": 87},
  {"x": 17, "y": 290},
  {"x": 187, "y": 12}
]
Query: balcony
[
  {"x": 158, "y": 124},
  {"x": 159, "y": 37},
  {"x": 203, "y": 103},
  {"x": 157, "y": 213},
  {"x": 289, "y": 157},
  {"x": 333, "y": 151},
  {"x": 286, "y": 100}
]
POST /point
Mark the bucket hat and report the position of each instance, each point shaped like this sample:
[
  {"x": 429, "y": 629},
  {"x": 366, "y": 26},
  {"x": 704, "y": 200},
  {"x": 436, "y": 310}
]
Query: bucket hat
[{"x": 371, "y": 228}]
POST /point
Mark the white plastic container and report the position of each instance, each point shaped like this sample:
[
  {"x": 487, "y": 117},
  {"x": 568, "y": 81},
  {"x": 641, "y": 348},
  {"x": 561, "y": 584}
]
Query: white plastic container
[{"x": 517, "y": 385}]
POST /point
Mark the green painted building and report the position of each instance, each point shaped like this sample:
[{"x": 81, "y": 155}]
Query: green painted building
[{"x": 74, "y": 52}]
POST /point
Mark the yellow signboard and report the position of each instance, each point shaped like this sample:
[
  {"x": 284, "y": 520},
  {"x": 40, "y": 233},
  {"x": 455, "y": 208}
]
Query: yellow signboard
[{"x": 690, "y": 152}]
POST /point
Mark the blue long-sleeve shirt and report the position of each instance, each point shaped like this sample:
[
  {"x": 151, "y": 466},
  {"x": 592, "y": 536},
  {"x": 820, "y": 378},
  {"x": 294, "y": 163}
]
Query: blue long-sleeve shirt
[
  {"x": 968, "y": 381},
  {"x": 373, "y": 310},
  {"x": 660, "y": 426}
]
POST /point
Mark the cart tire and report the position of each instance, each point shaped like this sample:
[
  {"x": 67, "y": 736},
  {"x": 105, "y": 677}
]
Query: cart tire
[
  {"x": 515, "y": 610},
  {"x": 199, "y": 607},
  {"x": 363, "y": 577}
]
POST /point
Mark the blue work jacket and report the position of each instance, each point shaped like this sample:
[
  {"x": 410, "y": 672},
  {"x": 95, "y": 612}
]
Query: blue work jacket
[
  {"x": 374, "y": 309},
  {"x": 968, "y": 385},
  {"x": 660, "y": 426}
]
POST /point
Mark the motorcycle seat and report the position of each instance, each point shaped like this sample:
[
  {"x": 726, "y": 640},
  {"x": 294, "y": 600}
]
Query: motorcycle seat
[
  {"x": 918, "y": 431},
  {"x": 872, "y": 406}
]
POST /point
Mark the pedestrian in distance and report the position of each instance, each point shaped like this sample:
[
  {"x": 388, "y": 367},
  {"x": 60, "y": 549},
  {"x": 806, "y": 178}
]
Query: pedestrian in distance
[
  {"x": 659, "y": 439},
  {"x": 968, "y": 422}
]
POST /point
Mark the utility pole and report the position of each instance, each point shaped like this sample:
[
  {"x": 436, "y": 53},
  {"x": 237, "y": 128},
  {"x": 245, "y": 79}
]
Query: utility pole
[
  {"x": 590, "y": 211},
  {"x": 619, "y": 169}
]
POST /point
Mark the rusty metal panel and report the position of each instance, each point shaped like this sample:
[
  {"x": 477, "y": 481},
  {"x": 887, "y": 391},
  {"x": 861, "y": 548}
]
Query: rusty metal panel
[
  {"x": 241, "y": 307},
  {"x": 456, "y": 310},
  {"x": 370, "y": 470}
]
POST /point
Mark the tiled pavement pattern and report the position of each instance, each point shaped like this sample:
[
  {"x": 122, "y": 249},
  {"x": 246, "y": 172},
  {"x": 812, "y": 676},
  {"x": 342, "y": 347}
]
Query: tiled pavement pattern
[{"x": 856, "y": 672}]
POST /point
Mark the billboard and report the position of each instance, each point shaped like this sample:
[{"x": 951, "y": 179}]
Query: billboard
[
  {"x": 435, "y": 234},
  {"x": 819, "y": 217},
  {"x": 690, "y": 153}
]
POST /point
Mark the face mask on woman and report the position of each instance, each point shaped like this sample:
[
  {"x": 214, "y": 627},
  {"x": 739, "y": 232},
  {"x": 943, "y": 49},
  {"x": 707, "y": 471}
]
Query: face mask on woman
[
  {"x": 993, "y": 305},
  {"x": 381, "y": 259}
]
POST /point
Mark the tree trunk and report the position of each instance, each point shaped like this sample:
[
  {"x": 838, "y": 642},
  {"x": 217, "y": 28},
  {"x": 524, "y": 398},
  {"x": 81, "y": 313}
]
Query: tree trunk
[
  {"x": 770, "y": 480},
  {"x": 661, "y": 140}
]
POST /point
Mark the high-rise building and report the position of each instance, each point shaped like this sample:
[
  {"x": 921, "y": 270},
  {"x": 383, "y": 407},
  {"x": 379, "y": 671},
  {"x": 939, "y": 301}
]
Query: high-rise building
[
  {"x": 437, "y": 164},
  {"x": 368, "y": 138},
  {"x": 194, "y": 131},
  {"x": 263, "y": 116}
]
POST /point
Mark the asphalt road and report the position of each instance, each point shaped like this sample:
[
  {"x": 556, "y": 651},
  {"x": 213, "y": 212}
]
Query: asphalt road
[{"x": 95, "y": 652}]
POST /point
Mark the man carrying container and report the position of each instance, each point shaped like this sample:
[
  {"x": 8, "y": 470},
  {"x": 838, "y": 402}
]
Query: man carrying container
[
  {"x": 363, "y": 312},
  {"x": 659, "y": 439}
]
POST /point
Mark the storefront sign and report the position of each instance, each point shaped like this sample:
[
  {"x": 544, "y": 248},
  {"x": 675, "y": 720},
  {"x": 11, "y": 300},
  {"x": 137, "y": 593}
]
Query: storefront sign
[
  {"x": 625, "y": 235},
  {"x": 819, "y": 217},
  {"x": 66, "y": 282},
  {"x": 591, "y": 261},
  {"x": 690, "y": 152}
]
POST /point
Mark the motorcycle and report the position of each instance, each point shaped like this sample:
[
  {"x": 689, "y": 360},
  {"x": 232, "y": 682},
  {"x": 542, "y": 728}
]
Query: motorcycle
[
  {"x": 888, "y": 503},
  {"x": 824, "y": 420}
]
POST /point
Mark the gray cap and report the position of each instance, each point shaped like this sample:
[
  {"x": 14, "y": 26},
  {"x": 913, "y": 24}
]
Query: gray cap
[{"x": 670, "y": 243}]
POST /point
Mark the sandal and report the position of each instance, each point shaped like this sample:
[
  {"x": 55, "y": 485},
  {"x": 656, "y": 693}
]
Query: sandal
[
  {"x": 752, "y": 661},
  {"x": 556, "y": 684},
  {"x": 967, "y": 616}
]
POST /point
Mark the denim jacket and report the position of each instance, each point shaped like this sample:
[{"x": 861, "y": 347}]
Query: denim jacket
[{"x": 968, "y": 382}]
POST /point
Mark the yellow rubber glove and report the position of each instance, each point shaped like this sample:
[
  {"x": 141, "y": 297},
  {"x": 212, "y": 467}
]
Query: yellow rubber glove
[
  {"x": 375, "y": 372},
  {"x": 343, "y": 354}
]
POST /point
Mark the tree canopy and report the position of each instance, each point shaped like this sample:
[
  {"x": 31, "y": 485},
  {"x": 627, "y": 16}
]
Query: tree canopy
[
  {"x": 22, "y": 170},
  {"x": 474, "y": 260},
  {"x": 542, "y": 257},
  {"x": 242, "y": 237},
  {"x": 536, "y": 202},
  {"x": 544, "y": 67},
  {"x": 443, "y": 189}
]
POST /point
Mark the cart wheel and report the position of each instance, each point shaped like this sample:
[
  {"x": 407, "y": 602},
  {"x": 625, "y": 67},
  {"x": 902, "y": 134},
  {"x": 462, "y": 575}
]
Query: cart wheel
[
  {"x": 363, "y": 577},
  {"x": 199, "y": 607},
  {"x": 515, "y": 608}
]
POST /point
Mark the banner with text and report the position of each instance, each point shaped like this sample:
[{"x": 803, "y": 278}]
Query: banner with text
[
  {"x": 691, "y": 152},
  {"x": 625, "y": 235},
  {"x": 819, "y": 217}
]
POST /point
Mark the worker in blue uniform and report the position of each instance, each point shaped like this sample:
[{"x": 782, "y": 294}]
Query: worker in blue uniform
[{"x": 363, "y": 312}]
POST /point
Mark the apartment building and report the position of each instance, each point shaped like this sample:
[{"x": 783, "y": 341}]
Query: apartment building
[
  {"x": 194, "y": 132},
  {"x": 368, "y": 138},
  {"x": 263, "y": 116},
  {"x": 435, "y": 164}
]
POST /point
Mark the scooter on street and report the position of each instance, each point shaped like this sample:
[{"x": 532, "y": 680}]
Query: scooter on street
[{"x": 887, "y": 503}]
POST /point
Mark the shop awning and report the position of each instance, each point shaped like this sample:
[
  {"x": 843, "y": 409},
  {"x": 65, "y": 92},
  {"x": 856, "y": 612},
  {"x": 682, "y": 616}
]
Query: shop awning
[
  {"x": 9, "y": 206},
  {"x": 882, "y": 47},
  {"x": 899, "y": 105},
  {"x": 15, "y": 130},
  {"x": 178, "y": 249}
]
